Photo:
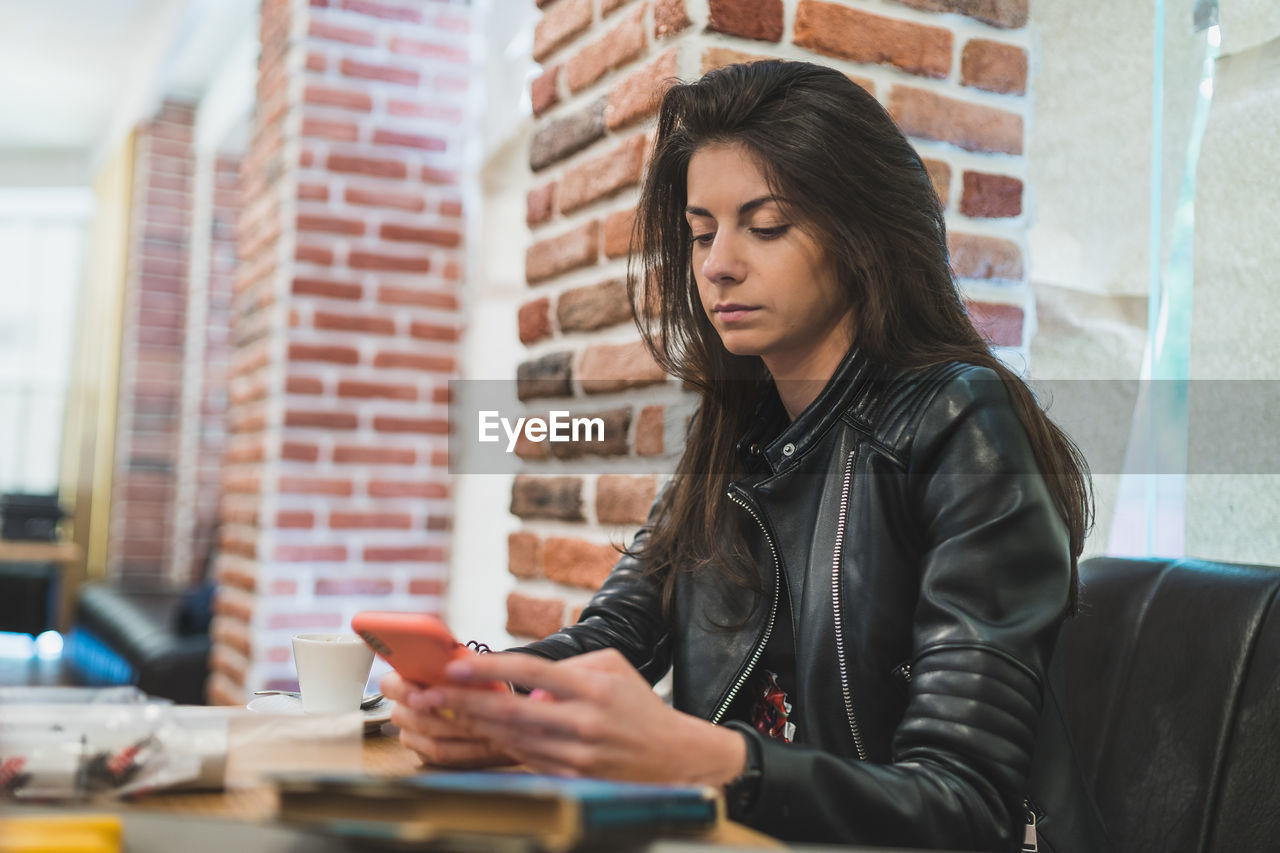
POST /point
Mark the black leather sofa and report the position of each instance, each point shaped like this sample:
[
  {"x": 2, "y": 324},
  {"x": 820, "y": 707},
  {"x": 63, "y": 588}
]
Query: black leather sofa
[
  {"x": 1172, "y": 672},
  {"x": 147, "y": 635}
]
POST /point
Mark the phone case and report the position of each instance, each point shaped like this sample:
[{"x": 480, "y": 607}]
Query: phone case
[{"x": 417, "y": 645}]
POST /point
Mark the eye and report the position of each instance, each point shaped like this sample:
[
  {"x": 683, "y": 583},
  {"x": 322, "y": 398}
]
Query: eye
[
  {"x": 770, "y": 233},
  {"x": 704, "y": 239}
]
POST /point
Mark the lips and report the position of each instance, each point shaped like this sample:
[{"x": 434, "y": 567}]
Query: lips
[{"x": 732, "y": 312}]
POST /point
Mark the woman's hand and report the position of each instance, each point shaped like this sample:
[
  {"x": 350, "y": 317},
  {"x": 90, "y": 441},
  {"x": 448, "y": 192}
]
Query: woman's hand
[
  {"x": 432, "y": 733},
  {"x": 591, "y": 715}
]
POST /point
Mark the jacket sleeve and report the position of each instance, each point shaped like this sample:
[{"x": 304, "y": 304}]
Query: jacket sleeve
[
  {"x": 994, "y": 583},
  {"x": 625, "y": 614}
]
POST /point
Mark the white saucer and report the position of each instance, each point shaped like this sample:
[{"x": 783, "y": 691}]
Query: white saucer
[{"x": 278, "y": 703}]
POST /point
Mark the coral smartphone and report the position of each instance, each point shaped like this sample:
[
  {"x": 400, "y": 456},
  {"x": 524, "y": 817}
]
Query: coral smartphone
[{"x": 417, "y": 645}]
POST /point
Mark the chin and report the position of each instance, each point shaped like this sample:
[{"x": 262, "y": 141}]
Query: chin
[{"x": 742, "y": 344}]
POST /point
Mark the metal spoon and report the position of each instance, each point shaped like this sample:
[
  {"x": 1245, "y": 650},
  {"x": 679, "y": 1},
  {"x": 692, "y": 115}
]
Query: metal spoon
[{"x": 373, "y": 700}]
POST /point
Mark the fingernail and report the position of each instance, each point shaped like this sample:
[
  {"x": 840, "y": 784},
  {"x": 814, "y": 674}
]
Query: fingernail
[
  {"x": 540, "y": 695},
  {"x": 459, "y": 669}
]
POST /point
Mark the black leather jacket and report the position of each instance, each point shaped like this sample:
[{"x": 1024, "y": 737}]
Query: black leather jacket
[{"x": 928, "y": 575}]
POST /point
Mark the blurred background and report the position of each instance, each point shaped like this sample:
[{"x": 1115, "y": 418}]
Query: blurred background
[{"x": 255, "y": 250}]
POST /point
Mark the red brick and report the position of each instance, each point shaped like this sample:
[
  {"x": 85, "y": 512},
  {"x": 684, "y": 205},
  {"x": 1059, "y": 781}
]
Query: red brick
[
  {"x": 637, "y": 96},
  {"x": 974, "y": 127},
  {"x": 431, "y": 236},
  {"x": 538, "y": 204},
  {"x": 426, "y": 586},
  {"x": 313, "y": 255},
  {"x": 940, "y": 175},
  {"x": 534, "y": 320},
  {"x": 405, "y": 554},
  {"x": 994, "y": 66},
  {"x": 346, "y": 520},
  {"x": 433, "y": 175},
  {"x": 409, "y": 140},
  {"x": 323, "y": 352},
  {"x": 450, "y": 207},
  {"x": 1000, "y": 324},
  {"x": 389, "y": 11},
  {"x": 650, "y": 426},
  {"x": 415, "y": 361},
  {"x": 290, "y": 519},
  {"x": 426, "y": 426},
  {"x": 321, "y": 420},
  {"x": 615, "y": 367},
  {"x": 327, "y": 288},
  {"x": 429, "y": 50},
  {"x": 349, "y": 35},
  {"x": 564, "y": 21},
  {"x": 576, "y": 562},
  {"x": 544, "y": 91},
  {"x": 385, "y": 198},
  {"x": 597, "y": 306},
  {"x": 669, "y": 18},
  {"x": 316, "y": 62},
  {"x": 336, "y": 486},
  {"x": 327, "y": 96},
  {"x": 624, "y": 500},
  {"x": 718, "y": 57},
  {"x": 310, "y": 553},
  {"x": 382, "y": 390},
  {"x": 556, "y": 255},
  {"x": 618, "y": 47},
  {"x": 604, "y": 175},
  {"x": 390, "y": 263},
  {"x": 425, "y": 489},
  {"x": 434, "y": 332},
  {"x": 384, "y": 73},
  {"x": 308, "y": 620},
  {"x": 343, "y": 131},
  {"x": 973, "y": 256},
  {"x": 299, "y": 452},
  {"x": 395, "y": 295},
  {"x": 752, "y": 19},
  {"x": 617, "y": 233},
  {"x": 1007, "y": 14},
  {"x": 991, "y": 196},
  {"x": 379, "y": 167},
  {"x": 558, "y": 498},
  {"x": 330, "y": 225},
  {"x": 359, "y": 455},
  {"x": 303, "y": 385},
  {"x": 364, "y": 323},
  {"x": 852, "y": 34},
  {"x": 524, "y": 554},
  {"x": 528, "y": 616},
  {"x": 354, "y": 586}
]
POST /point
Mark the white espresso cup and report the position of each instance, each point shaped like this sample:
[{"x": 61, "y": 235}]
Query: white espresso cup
[{"x": 332, "y": 671}]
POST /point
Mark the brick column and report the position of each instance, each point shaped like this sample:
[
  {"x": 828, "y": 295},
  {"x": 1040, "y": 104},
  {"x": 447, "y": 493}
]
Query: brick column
[
  {"x": 345, "y": 321},
  {"x": 953, "y": 73},
  {"x": 154, "y": 319}
]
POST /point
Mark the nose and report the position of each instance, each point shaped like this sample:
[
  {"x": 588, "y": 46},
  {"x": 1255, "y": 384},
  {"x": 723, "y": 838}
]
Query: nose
[{"x": 724, "y": 263}]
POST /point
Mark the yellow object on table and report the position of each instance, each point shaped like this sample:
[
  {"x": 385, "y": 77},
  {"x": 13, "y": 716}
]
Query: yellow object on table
[{"x": 90, "y": 833}]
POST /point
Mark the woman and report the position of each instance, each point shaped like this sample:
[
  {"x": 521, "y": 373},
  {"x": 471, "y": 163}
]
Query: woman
[{"x": 860, "y": 567}]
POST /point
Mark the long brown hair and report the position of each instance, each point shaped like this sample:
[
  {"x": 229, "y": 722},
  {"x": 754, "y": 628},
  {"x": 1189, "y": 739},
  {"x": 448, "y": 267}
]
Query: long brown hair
[{"x": 845, "y": 169}]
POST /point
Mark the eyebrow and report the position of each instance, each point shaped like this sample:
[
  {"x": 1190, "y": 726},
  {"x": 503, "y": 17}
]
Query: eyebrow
[{"x": 744, "y": 208}]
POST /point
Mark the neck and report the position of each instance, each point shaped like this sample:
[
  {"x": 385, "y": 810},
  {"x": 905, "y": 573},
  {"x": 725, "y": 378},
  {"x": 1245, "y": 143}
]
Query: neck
[{"x": 800, "y": 380}]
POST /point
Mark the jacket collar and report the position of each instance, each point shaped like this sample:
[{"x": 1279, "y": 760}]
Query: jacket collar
[{"x": 780, "y": 449}]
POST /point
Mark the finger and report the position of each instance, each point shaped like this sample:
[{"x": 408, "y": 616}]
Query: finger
[
  {"x": 601, "y": 660},
  {"x": 430, "y": 722},
  {"x": 394, "y": 687},
  {"x": 450, "y": 752},
  {"x": 528, "y": 671}
]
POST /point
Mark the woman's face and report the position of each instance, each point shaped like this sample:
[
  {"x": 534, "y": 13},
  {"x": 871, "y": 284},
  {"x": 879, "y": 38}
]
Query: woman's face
[{"x": 766, "y": 284}]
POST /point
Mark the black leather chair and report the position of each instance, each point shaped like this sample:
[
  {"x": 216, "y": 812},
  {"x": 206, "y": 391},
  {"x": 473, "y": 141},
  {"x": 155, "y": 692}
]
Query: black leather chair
[{"x": 1172, "y": 672}]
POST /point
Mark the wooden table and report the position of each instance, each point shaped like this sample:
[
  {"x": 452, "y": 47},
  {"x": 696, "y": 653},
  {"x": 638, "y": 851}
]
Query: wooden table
[{"x": 383, "y": 755}]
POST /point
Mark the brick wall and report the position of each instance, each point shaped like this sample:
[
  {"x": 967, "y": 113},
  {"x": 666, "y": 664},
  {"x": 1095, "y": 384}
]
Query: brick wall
[
  {"x": 953, "y": 73},
  {"x": 336, "y": 494},
  {"x": 206, "y": 358},
  {"x": 154, "y": 323}
]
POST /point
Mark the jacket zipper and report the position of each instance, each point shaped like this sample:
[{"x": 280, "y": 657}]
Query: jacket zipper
[
  {"x": 773, "y": 614},
  {"x": 845, "y": 689}
]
